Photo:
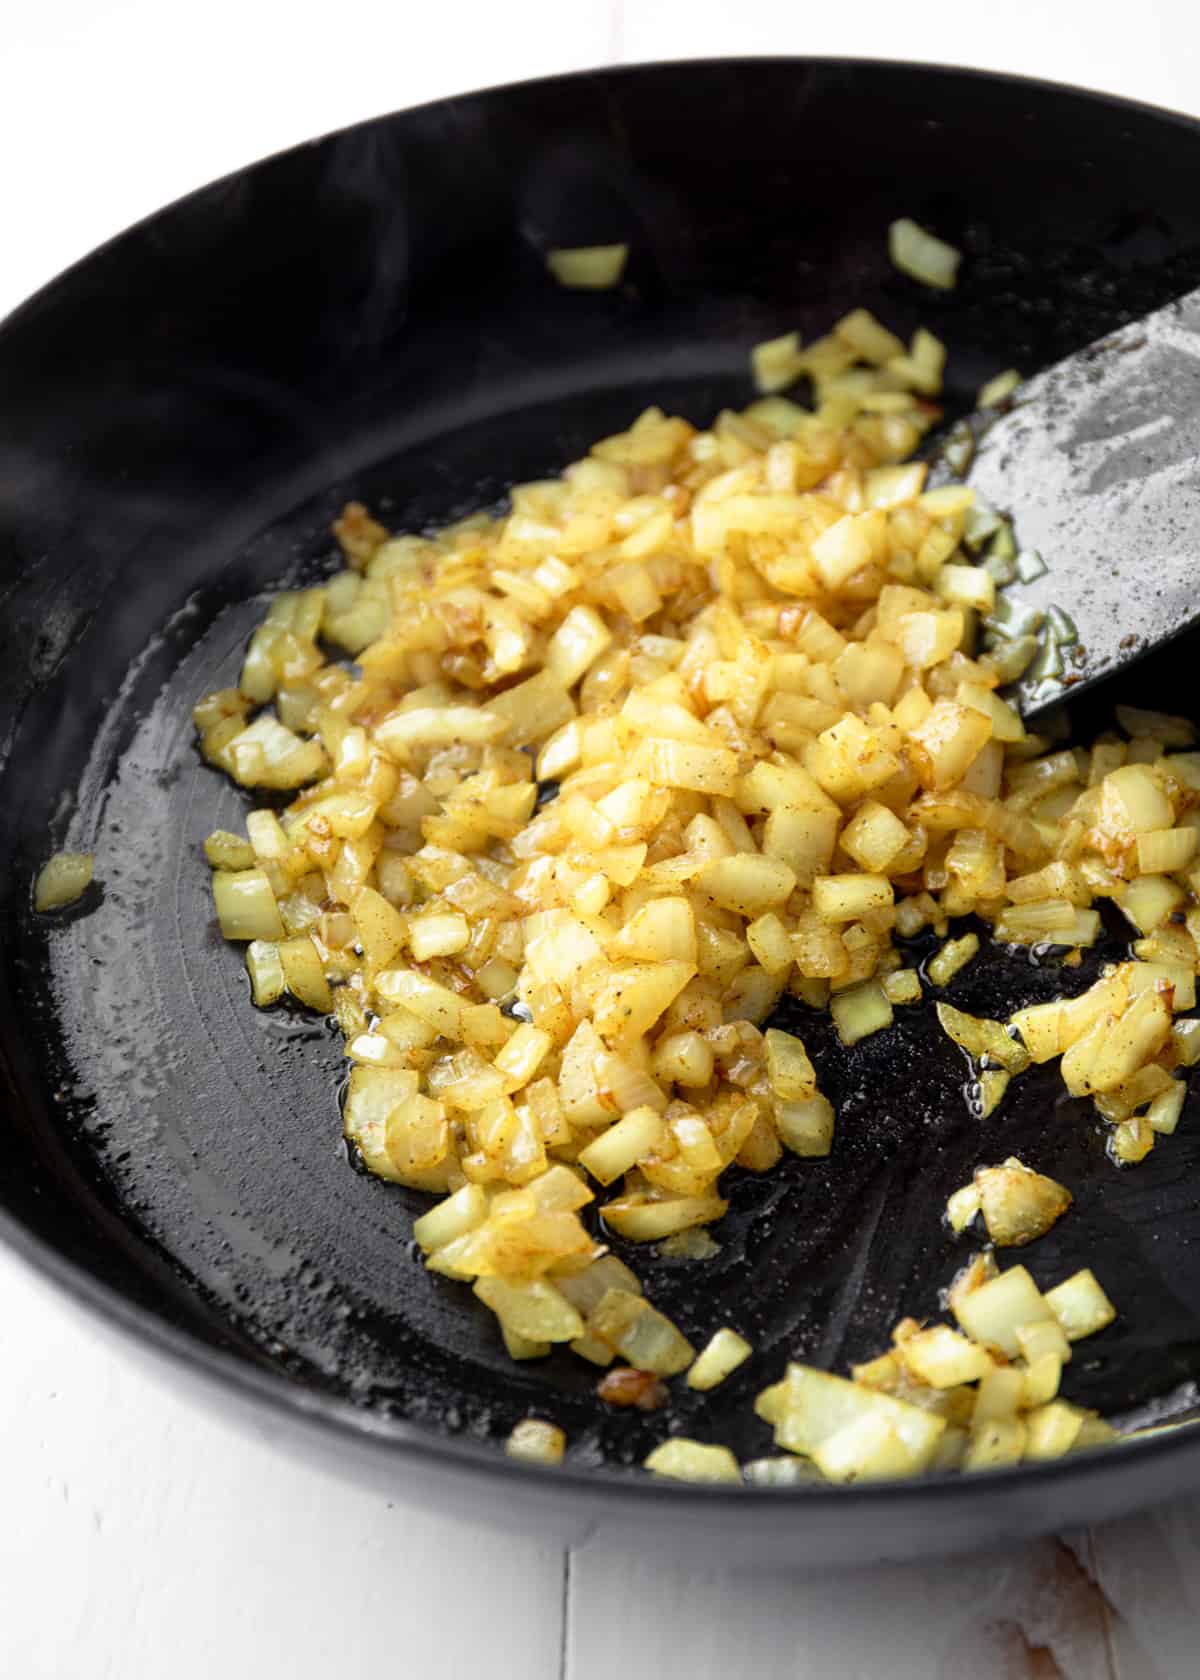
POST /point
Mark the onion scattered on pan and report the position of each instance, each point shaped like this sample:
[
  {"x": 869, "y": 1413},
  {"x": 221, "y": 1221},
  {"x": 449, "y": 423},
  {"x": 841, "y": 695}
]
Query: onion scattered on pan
[
  {"x": 693, "y": 1461},
  {"x": 720, "y": 1358},
  {"x": 1018, "y": 1205},
  {"x": 537, "y": 1442},
  {"x": 63, "y": 879},
  {"x": 977, "y": 1397},
  {"x": 699, "y": 723},
  {"x": 998, "y": 389},
  {"x": 924, "y": 256},
  {"x": 594, "y": 268}
]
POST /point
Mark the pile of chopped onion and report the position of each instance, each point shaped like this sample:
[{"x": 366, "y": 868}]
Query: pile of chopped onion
[
  {"x": 695, "y": 725},
  {"x": 977, "y": 1397}
]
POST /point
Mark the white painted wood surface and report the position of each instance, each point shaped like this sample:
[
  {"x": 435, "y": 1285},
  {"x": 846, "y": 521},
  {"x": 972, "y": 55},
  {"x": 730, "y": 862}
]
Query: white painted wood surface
[{"x": 142, "y": 1538}]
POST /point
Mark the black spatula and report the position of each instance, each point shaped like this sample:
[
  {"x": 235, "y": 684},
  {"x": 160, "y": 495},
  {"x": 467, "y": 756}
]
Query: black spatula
[{"x": 1098, "y": 462}]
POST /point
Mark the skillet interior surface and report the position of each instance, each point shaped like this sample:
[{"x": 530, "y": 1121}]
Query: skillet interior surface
[{"x": 370, "y": 316}]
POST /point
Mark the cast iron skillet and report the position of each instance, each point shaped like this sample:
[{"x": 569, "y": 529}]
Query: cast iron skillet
[{"x": 370, "y": 315}]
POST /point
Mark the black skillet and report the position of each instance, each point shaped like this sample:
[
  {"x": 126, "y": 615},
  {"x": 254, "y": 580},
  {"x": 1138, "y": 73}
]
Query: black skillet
[{"x": 370, "y": 315}]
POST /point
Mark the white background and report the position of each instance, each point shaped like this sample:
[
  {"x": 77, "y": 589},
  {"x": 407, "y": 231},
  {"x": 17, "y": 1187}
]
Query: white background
[{"x": 140, "y": 1538}]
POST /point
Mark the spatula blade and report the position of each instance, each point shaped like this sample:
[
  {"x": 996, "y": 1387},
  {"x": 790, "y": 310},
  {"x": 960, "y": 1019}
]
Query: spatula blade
[{"x": 1098, "y": 463}]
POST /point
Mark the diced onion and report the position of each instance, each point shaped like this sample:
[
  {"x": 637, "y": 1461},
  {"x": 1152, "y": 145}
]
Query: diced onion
[
  {"x": 1080, "y": 1305},
  {"x": 267, "y": 982},
  {"x": 954, "y": 955},
  {"x": 536, "y": 1442},
  {"x": 698, "y": 726},
  {"x": 722, "y": 1356},
  {"x": 998, "y": 389},
  {"x": 246, "y": 906},
  {"x": 594, "y": 268},
  {"x": 1017, "y": 1203},
  {"x": 777, "y": 363},
  {"x": 693, "y": 1461},
  {"x": 228, "y": 851},
  {"x": 63, "y": 880},
  {"x": 922, "y": 255},
  {"x": 861, "y": 1011}
]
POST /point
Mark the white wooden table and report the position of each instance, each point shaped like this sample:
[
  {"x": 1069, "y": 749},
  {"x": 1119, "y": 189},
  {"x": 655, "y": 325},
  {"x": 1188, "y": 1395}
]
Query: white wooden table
[{"x": 140, "y": 1537}]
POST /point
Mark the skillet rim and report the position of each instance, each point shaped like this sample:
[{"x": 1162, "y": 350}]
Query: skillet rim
[{"x": 337, "y": 1420}]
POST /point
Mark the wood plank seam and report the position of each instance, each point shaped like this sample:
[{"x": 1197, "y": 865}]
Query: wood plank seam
[{"x": 564, "y": 1649}]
